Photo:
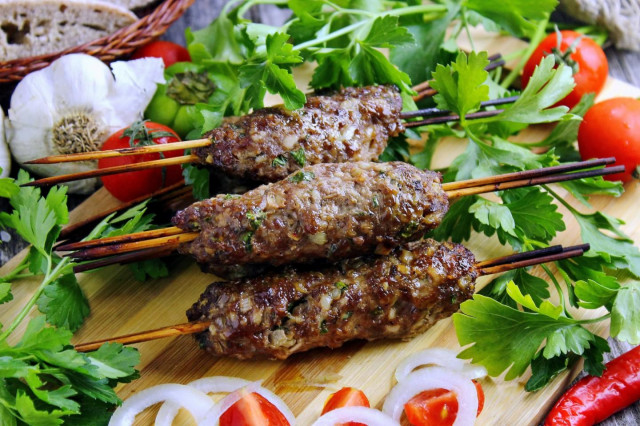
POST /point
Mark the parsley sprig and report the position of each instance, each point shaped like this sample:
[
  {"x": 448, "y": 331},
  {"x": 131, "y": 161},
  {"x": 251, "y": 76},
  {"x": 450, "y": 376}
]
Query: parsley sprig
[
  {"x": 43, "y": 380},
  {"x": 526, "y": 219}
]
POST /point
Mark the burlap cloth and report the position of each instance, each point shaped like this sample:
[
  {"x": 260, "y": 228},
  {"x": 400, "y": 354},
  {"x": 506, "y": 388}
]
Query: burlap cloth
[{"x": 620, "y": 17}]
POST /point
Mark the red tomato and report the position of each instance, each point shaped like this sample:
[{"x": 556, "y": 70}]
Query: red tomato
[
  {"x": 590, "y": 58},
  {"x": 437, "y": 407},
  {"x": 612, "y": 128},
  {"x": 131, "y": 185},
  {"x": 346, "y": 397},
  {"x": 593, "y": 399},
  {"x": 168, "y": 51},
  {"x": 253, "y": 410}
]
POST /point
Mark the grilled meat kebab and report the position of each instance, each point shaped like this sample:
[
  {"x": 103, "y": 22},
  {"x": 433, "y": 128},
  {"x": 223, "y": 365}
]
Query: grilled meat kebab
[
  {"x": 395, "y": 296},
  {"x": 326, "y": 211},
  {"x": 270, "y": 143}
]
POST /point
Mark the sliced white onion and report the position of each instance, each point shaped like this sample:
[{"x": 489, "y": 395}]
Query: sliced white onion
[
  {"x": 215, "y": 384},
  {"x": 474, "y": 371},
  {"x": 434, "y": 378},
  {"x": 213, "y": 416},
  {"x": 194, "y": 401},
  {"x": 366, "y": 415},
  {"x": 438, "y": 356}
]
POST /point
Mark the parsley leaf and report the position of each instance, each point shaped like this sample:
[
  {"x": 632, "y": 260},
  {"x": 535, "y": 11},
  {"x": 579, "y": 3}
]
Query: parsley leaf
[
  {"x": 514, "y": 15},
  {"x": 460, "y": 85},
  {"x": 521, "y": 333},
  {"x": 385, "y": 32},
  {"x": 199, "y": 179},
  {"x": 64, "y": 303},
  {"x": 625, "y": 318},
  {"x": 547, "y": 86}
]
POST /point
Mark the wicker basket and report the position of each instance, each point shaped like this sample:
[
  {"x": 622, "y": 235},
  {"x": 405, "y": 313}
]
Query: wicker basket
[{"x": 122, "y": 42}]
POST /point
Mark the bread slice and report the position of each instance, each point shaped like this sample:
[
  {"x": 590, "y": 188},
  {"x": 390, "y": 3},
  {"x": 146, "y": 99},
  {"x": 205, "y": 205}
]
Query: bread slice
[{"x": 38, "y": 27}]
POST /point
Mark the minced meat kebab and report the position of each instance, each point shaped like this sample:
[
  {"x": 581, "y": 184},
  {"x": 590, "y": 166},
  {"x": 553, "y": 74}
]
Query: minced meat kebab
[
  {"x": 325, "y": 211},
  {"x": 267, "y": 145},
  {"x": 395, "y": 296}
]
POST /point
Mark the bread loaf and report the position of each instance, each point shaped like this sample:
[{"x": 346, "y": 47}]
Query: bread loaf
[{"x": 38, "y": 27}]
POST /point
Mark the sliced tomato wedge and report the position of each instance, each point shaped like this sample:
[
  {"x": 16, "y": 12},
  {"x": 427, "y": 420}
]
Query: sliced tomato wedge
[
  {"x": 253, "y": 410},
  {"x": 437, "y": 407},
  {"x": 346, "y": 397}
]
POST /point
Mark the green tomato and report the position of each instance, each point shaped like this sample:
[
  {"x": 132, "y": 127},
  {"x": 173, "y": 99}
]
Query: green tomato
[
  {"x": 183, "y": 122},
  {"x": 162, "y": 109}
]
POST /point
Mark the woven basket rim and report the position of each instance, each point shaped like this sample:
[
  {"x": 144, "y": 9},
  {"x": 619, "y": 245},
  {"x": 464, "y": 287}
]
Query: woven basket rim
[{"x": 107, "y": 48}]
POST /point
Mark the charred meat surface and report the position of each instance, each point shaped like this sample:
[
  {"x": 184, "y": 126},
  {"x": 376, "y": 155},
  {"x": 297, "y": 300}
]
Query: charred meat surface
[
  {"x": 396, "y": 296},
  {"x": 326, "y": 211},
  {"x": 269, "y": 144}
]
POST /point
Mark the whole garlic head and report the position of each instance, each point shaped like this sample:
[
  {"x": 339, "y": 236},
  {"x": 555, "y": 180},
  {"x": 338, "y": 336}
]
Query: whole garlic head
[{"x": 73, "y": 105}]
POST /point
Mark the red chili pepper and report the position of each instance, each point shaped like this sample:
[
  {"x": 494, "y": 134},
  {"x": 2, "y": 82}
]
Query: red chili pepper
[{"x": 593, "y": 399}]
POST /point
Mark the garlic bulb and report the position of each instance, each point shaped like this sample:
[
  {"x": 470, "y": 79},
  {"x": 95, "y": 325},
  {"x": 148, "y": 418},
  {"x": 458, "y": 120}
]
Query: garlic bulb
[
  {"x": 73, "y": 105},
  {"x": 5, "y": 157}
]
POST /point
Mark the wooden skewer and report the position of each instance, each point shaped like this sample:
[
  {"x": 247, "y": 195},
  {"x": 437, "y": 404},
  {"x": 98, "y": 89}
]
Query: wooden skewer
[
  {"x": 520, "y": 256},
  {"x": 108, "y": 250},
  {"x": 545, "y": 171},
  {"x": 135, "y": 150},
  {"x": 71, "y": 230},
  {"x": 454, "y": 190},
  {"x": 453, "y": 117},
  {"x": 173, "y": 330},
  {"x": 503, "y": 264},
  {"x": 533, "y": 181},
  {"x": 438, "y": 111},
  {"x": 565, "y": 254},
  {"x": 154, "y": 233},
  {"x": 113, "y": 170},
  {"x": 135, "y": 256}
]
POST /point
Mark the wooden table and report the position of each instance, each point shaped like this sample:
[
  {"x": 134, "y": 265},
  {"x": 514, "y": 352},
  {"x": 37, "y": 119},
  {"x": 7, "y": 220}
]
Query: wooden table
[{"x": 203, "y": 12}]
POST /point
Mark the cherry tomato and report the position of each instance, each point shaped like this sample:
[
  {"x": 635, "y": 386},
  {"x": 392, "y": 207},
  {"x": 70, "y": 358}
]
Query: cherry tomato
[
  {"x": 168, "y": 51},
  {"x": 593, "y": 399},
  {"x": 131, "y": 185},
  {"x": 590, "y": 59},
  {"x": 612, "y": 128},
  {"x": 346, "y": 397},
  {"x": 253, "y": 410},
  {"x": 437, "y": 407}
]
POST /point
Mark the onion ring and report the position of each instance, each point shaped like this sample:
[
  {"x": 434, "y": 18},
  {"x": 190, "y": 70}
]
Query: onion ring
[
  {"x": 366, "y": 415},
  {"x": 196, "y": 402},
  {"x": 434, "y": 378},
  {"x": 442, "y": 357},
  {"x": 216, "y": 384}
]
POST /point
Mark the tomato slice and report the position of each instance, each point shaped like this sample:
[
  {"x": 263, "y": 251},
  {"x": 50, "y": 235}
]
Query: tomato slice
[
  {"x": 346, "y": 397},
  {"x": 131, "y": 185},
  {"x": 437, "y": 407},
  {"x": 253, "y": 410}
]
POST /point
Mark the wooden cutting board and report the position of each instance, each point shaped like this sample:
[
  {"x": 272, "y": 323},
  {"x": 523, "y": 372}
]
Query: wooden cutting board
[{"x": 121, "y": 305}]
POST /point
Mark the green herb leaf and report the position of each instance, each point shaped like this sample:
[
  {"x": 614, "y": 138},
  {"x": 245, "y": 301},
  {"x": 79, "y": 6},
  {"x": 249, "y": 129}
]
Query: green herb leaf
[
  {"x": 460, "y": 85},
  {"x": 299, "y": 156},
  {"x": 302, "y": 176},
  {"x": 616, "y": 249},
  {"x": 625, "y": 317},
  {"x": 515, "y": 16},
  {"x": 521, "y": 333},
  {"x": 114, "y": 361},
  {"x": 547, "y": 86},
  {"x": 64, "y": 304},
  {"x": 199, "y": 178},
  {"x": 385, "y": 32}
]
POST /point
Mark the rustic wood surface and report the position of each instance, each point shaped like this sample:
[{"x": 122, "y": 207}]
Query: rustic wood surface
[{"x": 622, "y": 66}]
